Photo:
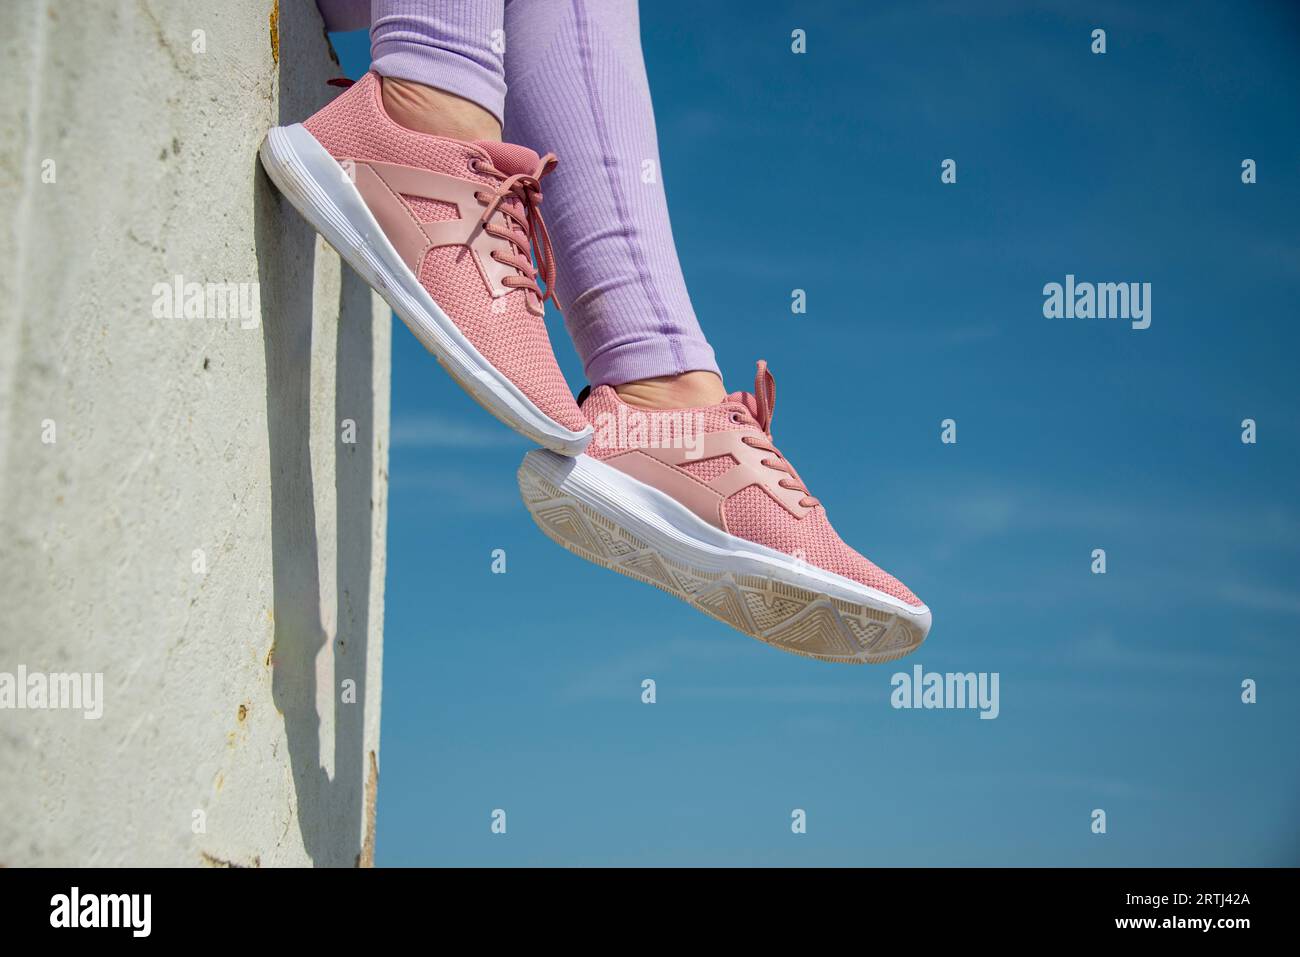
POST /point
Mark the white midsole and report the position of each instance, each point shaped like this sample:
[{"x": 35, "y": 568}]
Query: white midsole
[
  {"x": 318, "y": 187},
  {"x": 677, "y": 532}
]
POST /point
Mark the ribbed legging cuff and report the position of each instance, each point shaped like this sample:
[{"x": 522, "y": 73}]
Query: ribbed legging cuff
[
  {"x": 649, "y": 357},
  {"x": 451, "y": 45}
]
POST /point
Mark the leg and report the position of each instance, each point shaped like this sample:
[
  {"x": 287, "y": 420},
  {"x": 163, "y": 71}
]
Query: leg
[
  {"x": 343, "y": 15},
  {"x": 687, "y": 490},
  {"x": 444, "y": 76},
  {"x": 439, "y": 59},
  {"x": 576, "y": 85},
  {"x": 406, "y": 176}
]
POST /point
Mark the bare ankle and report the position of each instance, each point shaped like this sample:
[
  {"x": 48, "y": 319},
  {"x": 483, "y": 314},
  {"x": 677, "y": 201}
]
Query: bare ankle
[
  {"x": 685, "y": 391},
  {"x": 428, "y": 110}
]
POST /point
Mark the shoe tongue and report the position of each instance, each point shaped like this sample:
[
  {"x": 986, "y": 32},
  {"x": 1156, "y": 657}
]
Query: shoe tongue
[
  {"x": 509, "y": 158},
  {"x": 747, "y": 400},
  {"x": 761, "y": 402}
]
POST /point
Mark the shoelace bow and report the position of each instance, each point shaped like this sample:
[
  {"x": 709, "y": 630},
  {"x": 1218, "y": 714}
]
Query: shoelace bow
[
  {"x": 525, "y": 231},
  {"x": 759, "y": 407}
]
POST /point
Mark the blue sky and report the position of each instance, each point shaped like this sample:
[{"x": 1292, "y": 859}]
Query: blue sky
[{"x": 1119, "y": 691}]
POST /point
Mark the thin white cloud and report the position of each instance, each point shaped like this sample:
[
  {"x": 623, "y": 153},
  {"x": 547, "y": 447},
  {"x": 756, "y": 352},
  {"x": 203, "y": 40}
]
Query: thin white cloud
[
  {"x": 450, "y": 492},
  {"x": 1261, "y": 598},
  {"x": 434, "y": 431}
]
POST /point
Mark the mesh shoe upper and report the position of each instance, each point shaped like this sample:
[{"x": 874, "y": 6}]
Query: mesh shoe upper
[{"x": 759, "y": 497}]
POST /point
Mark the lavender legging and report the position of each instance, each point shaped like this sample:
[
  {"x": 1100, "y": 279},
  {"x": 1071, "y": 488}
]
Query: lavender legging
[{"x": 565, "y": 76}]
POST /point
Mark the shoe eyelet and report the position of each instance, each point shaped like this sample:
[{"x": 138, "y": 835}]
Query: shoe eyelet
[{"x": 737, "y": 418}]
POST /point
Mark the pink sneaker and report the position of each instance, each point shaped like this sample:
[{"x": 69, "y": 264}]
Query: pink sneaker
[
  {"x": 445, "y": 231},
  {"x": 700, "y": 503}
]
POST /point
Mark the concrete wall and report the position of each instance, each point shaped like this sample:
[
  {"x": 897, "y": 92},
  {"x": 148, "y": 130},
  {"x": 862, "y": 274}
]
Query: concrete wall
[{"x": 179, "y": 507}]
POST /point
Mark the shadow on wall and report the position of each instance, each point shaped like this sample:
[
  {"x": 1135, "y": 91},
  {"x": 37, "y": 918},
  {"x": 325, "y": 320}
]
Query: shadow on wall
[{"x": 330, "y": 810}]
